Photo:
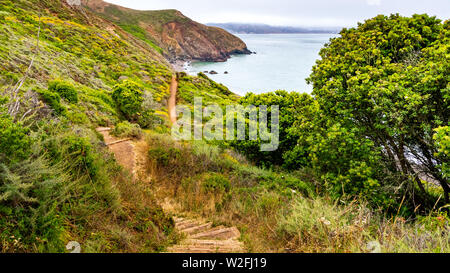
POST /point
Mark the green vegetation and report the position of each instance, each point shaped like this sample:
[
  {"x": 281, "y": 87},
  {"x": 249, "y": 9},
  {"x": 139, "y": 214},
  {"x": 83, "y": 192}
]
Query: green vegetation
[
  {"x": 57, "y": 183},
  {"x": 126, "y": 129},
  {"x": 141, "y": 34},
  {"x": 211, "y": 92},
  {"x": 53, "y": 100},
  {"x": 128, "y": 96},
  {"x": 362, "y": 159},
  {"x": 64, "y": 90},
  {"x": 277, "y": 211},
  {"x": 131, "y": 18},
  {"x": 216, "y": 182},
  {"x": 14, "y": 140},
  {"x": 380, "y": 95},
  {"x": 69, "y": 189},
  {"x": 391, "y": 89}
]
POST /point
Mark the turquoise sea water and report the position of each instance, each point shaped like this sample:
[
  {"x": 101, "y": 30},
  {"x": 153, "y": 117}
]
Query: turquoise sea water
[{"x": 282, "y": 62}]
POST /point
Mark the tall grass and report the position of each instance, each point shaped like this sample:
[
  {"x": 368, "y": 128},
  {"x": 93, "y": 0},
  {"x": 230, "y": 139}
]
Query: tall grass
[
  {"x": 320, "y": 225},
  {"x": 70, "y": 188},
  {"x": 277, "y": 211}
]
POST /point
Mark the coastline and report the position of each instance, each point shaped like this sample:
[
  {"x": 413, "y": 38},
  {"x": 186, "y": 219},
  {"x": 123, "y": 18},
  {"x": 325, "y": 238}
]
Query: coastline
[{"x": 180, "y": 66}]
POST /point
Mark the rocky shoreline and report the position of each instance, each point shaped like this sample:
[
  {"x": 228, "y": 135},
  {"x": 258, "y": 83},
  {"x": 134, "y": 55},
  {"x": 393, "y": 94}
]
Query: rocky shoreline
[{"x": 180, "y": 66}]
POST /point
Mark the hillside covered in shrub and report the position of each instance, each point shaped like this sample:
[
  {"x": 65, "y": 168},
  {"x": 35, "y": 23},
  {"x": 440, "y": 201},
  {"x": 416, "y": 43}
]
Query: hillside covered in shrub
[
  {"x": 66, "y": 71},
  {"x": 362, "y": 161}
]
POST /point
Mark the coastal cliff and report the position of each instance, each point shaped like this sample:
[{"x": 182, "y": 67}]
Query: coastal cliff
[{"x": 176, "y": 36}]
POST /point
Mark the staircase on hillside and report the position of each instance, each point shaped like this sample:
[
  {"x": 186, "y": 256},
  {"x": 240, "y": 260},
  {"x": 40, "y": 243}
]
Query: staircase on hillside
[
  {"x": 201, "y": 237},
  {"x": 204, "y": 238}
]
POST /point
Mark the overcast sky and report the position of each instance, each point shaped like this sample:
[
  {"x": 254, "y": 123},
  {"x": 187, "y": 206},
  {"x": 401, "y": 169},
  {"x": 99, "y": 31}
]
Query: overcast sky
[{"x": 292, "y": 12}]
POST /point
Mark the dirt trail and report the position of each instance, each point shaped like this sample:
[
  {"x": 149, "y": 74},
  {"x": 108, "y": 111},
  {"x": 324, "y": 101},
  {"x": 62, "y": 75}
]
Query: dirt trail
[
  {"x": 123, "y": 149},
  {"x": 173, "y": 100},
  {"x": 201, "y": 236}
]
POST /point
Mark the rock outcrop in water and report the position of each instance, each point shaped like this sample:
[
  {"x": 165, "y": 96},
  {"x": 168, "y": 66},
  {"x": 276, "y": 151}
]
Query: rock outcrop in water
[{"x": 175, "y": 35}]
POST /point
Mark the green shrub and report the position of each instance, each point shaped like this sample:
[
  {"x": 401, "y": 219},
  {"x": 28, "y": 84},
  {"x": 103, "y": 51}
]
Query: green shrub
[
  {"x": 164, "y": 156},
  {"x": 129, "y": 97},
  {"x": 3, "y": 101},
  {"x": 350, "y": 166},
  {"x": 126, "y": 129},
  {"x": 442, "y": 138},
  {"x": 64, "y": 180},
  {"x": 388, "y": 79},
  {"x": 53, "y": 100},
  {"x": 14, "y": 140},
  {"x": 81, "y": 154},
  {"x": 269, "y": 202},
  {"x": 64, "y": 89},
  {"x": 294, "y": 108},
  {"x": 216, "y": 182},
  {"x": 249, "y": 176},
  {"x": 148, "y": 119}
]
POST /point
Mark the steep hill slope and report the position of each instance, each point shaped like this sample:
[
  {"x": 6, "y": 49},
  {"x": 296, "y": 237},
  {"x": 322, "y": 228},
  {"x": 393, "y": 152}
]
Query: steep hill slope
[
  {"x": 179, "y": 37},
  {"x": 61, "y": 66},
  {"x": 91, "y": 53}
]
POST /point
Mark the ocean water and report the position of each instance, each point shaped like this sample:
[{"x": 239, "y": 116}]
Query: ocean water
[{"x": 281, "y": 62}]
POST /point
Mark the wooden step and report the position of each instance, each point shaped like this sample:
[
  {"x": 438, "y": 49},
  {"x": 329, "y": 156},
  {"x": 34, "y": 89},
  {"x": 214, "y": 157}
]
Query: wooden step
[
  {"x": 202, "y": 249},
  {"x": 187, "y": 224},
  {"x": 197, "y": 229},
  {"x": 103, "y": 129},
  {"x": 118, "y": 141},
  {"x": 179, "y": 220},
  {"x": 213, "y": 243},
  {"x": 220, "y": 234}
]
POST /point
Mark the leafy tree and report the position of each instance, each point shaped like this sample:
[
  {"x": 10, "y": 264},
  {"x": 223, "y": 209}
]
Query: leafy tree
[
  {"x": 442, "y": 138},
  {"x": 292, "y": 106},
  {"x": 389, "y": 79}
]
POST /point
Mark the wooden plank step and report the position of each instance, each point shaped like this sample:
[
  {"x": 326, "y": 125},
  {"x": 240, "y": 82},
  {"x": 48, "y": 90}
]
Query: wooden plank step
[
  {"x": 194, "y": 249},
  {"x": 198, "y": 242},
  {"x": 187, "y": 224},
  {"x": 103, "y": 129},
  {"x": 197, "y": 229},
  {"x": 118, "y": 141},
  {"x": 220, "y": 234},
  {"x": 179, "y": 219}
]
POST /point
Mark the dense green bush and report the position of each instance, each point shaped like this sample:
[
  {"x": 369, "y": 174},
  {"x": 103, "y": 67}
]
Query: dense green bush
[
  {"x": 53, "y": 100},
  {"x": 294, "y": 107},
  {"x": 126, "y": 129},
  {"x": 82, "y": 155},
  {"x": 129, "y": 97},
  {"x": 216, "y": 182},
  {"x": 62, "y": 176},
  {"x": 14, "y": 140},
  {"x": 380, "y": 90},
  {"x": 201, "y": 86},
  {"x": 442, "y": 138},
  {"x": 387, "y": 80},
  {"x": 148, "y": 119},
  {"x": 164, "y": 156},
  {"x": 64, "y": 89}
]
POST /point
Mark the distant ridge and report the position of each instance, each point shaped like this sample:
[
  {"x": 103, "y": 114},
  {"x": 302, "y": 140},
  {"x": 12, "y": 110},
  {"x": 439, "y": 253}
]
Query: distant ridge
[{"x": 239, "y": 28}]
